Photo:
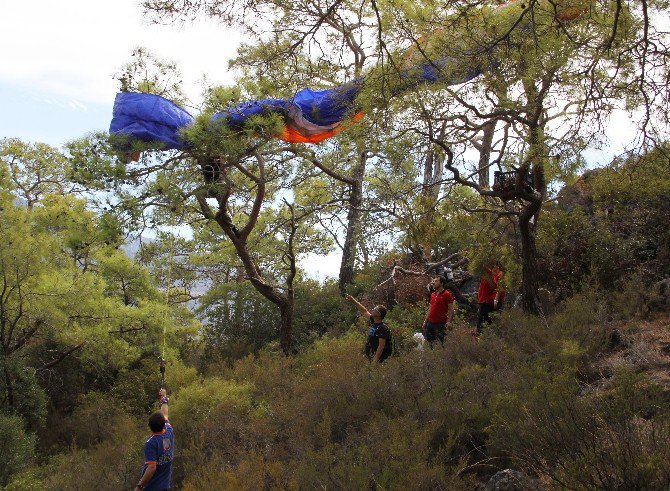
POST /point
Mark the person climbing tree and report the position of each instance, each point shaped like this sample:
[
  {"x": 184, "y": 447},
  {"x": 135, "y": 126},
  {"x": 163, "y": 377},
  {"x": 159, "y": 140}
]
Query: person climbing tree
[
  {"x": 379, "y": 344},
  {"x": 440, "y": 312},
  {"x": 489, "y": 294},
  {"x": 158, "y": 450}
]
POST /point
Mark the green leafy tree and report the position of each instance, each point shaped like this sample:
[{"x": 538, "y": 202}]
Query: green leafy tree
[
  {"x": 67, "y": 291},
  {"x": 530, "y": 55},
  {"x": 34, "y": 170}
]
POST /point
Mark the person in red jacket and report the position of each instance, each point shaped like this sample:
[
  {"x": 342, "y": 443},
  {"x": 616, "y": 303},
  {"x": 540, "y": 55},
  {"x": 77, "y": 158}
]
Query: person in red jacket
[
  {"x": 490, "y": 294},
  {"x": 440, "y": 312}
]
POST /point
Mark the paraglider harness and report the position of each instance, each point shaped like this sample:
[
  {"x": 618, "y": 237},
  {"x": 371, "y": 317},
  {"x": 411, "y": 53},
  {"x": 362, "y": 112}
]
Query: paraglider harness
[{"x": 505, "y": 182}]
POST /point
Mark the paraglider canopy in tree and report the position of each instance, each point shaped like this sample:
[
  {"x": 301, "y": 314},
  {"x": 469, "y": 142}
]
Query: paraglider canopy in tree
[{"x": 312, "y": 116}]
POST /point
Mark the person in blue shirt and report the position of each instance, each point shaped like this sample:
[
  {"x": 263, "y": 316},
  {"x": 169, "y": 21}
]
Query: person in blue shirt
[{"x": 158, "y": 451}]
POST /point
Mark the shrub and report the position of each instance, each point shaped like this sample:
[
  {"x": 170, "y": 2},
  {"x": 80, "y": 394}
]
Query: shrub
[
  {"x": 89, "y": 423},
  {"x": 613, "y": 440},
  {"x": 16, "y": 447},
  {"x": 320, "y": 309},
  {"x": 199, "y": 401},
  {"x": 113, "y": 464},
  {"x": 404, "y": 321}
]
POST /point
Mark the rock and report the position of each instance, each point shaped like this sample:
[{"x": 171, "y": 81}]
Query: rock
[
  {"x": 659, "y": 295},
  {"x": 577, "y": 195},
  {"x": 510, "y": 480},
  {"x": 617, "y": 340},
  {"x": 419, "y": 340}
]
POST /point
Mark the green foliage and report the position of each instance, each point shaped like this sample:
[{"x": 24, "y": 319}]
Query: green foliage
[
  {"x": 239, "y": 321},
  {"x": 201, "y": 401},
  {"x": 113, "y": 464},
  {"x": 149, "y": 74},
  {"x": 405, "y": 321},
  {"x": 320, "y": 309},
  {"x": 34, "y": 170},
  {"x": 17, "y": 447},
  {"x": 612, "y": 440},
  {"x": 564, "y": 244},
  {"x": 20, "y": 392},
  {"x": 89, "y": 423},
  {"x": 630, "y": 201},
  {"x": 608, "y": 227},
  {"x": 527, "y": 395}
]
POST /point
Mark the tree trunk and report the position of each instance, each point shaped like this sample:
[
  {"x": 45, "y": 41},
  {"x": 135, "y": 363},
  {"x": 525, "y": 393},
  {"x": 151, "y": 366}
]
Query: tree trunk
[
  {"x": 530, "y": 299},
  {"x": 485, "y": 154},
  {"x": 433, "y": 172},
  {"x": 537, "y": 155},
  {"x": 238, "y": 237},
  {"x": 286, "y": 328},
  {"x": 354, "y": 215},
  {"x": 283, "y": 301}
]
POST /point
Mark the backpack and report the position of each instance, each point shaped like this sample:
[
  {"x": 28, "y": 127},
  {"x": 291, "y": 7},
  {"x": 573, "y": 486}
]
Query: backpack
[{"x": 390, "y": 347}]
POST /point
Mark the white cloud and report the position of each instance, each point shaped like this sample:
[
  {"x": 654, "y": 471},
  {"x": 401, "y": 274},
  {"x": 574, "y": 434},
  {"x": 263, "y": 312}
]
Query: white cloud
[
  {"x": 73, "y": 48},
  {"x": 321, "y": 267}
]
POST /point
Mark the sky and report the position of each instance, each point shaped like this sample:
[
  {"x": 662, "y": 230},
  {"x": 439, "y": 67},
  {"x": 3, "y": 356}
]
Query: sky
[{"x": 59, "y": 58}]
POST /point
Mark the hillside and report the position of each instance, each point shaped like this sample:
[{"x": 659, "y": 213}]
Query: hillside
[{"x": 575, "y": 400}]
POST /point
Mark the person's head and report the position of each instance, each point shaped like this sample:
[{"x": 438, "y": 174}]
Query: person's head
[
  {"x": 378, "y": 313},
  {"x": 157, "y": 422},
  {"x": 439, "y": 282}
]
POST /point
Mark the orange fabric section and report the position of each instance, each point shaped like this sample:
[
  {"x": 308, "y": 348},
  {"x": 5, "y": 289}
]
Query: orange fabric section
[{"x": 293, "y": 135}]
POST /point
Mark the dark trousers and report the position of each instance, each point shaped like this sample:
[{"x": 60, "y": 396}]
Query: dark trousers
[
  {"x": 435, "y": 330},
  {"x": 485, "y": 310}
]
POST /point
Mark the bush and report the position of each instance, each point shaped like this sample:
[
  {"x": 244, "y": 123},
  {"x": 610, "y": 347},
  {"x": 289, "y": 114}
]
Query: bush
[
  {"x": 89, "y": 423},
  {"x": 527, "y": 394},
  {"x": 616, "y": 440},
  {"x": 28, "y": 399},
  {"x": 113, "y": 464},
  {"x": 17, "y": 447},
  {"x": 404, "y": 321},
  {"x": 320, "y": 309},
  {"x": 202, "y": 400}
]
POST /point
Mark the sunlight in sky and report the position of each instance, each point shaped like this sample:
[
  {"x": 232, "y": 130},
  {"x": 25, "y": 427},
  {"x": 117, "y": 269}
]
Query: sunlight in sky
[{"x": 59, "y": 58}]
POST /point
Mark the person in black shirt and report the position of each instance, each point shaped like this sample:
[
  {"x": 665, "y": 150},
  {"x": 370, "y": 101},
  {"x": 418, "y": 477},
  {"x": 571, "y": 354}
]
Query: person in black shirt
[{"x": 378, "y": 345}]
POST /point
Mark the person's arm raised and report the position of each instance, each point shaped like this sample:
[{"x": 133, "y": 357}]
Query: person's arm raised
[
  {"x": 361, "y": 308},
  {"x": 162, "y": 394}
]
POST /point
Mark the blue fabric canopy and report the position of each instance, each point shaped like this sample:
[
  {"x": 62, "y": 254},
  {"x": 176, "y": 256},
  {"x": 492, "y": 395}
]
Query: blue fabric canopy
[{"x": 149, "y": 118}]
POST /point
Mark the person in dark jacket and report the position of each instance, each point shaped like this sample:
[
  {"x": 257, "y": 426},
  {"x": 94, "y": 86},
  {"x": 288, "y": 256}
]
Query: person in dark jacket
[{"x": 378, "y": 346}]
